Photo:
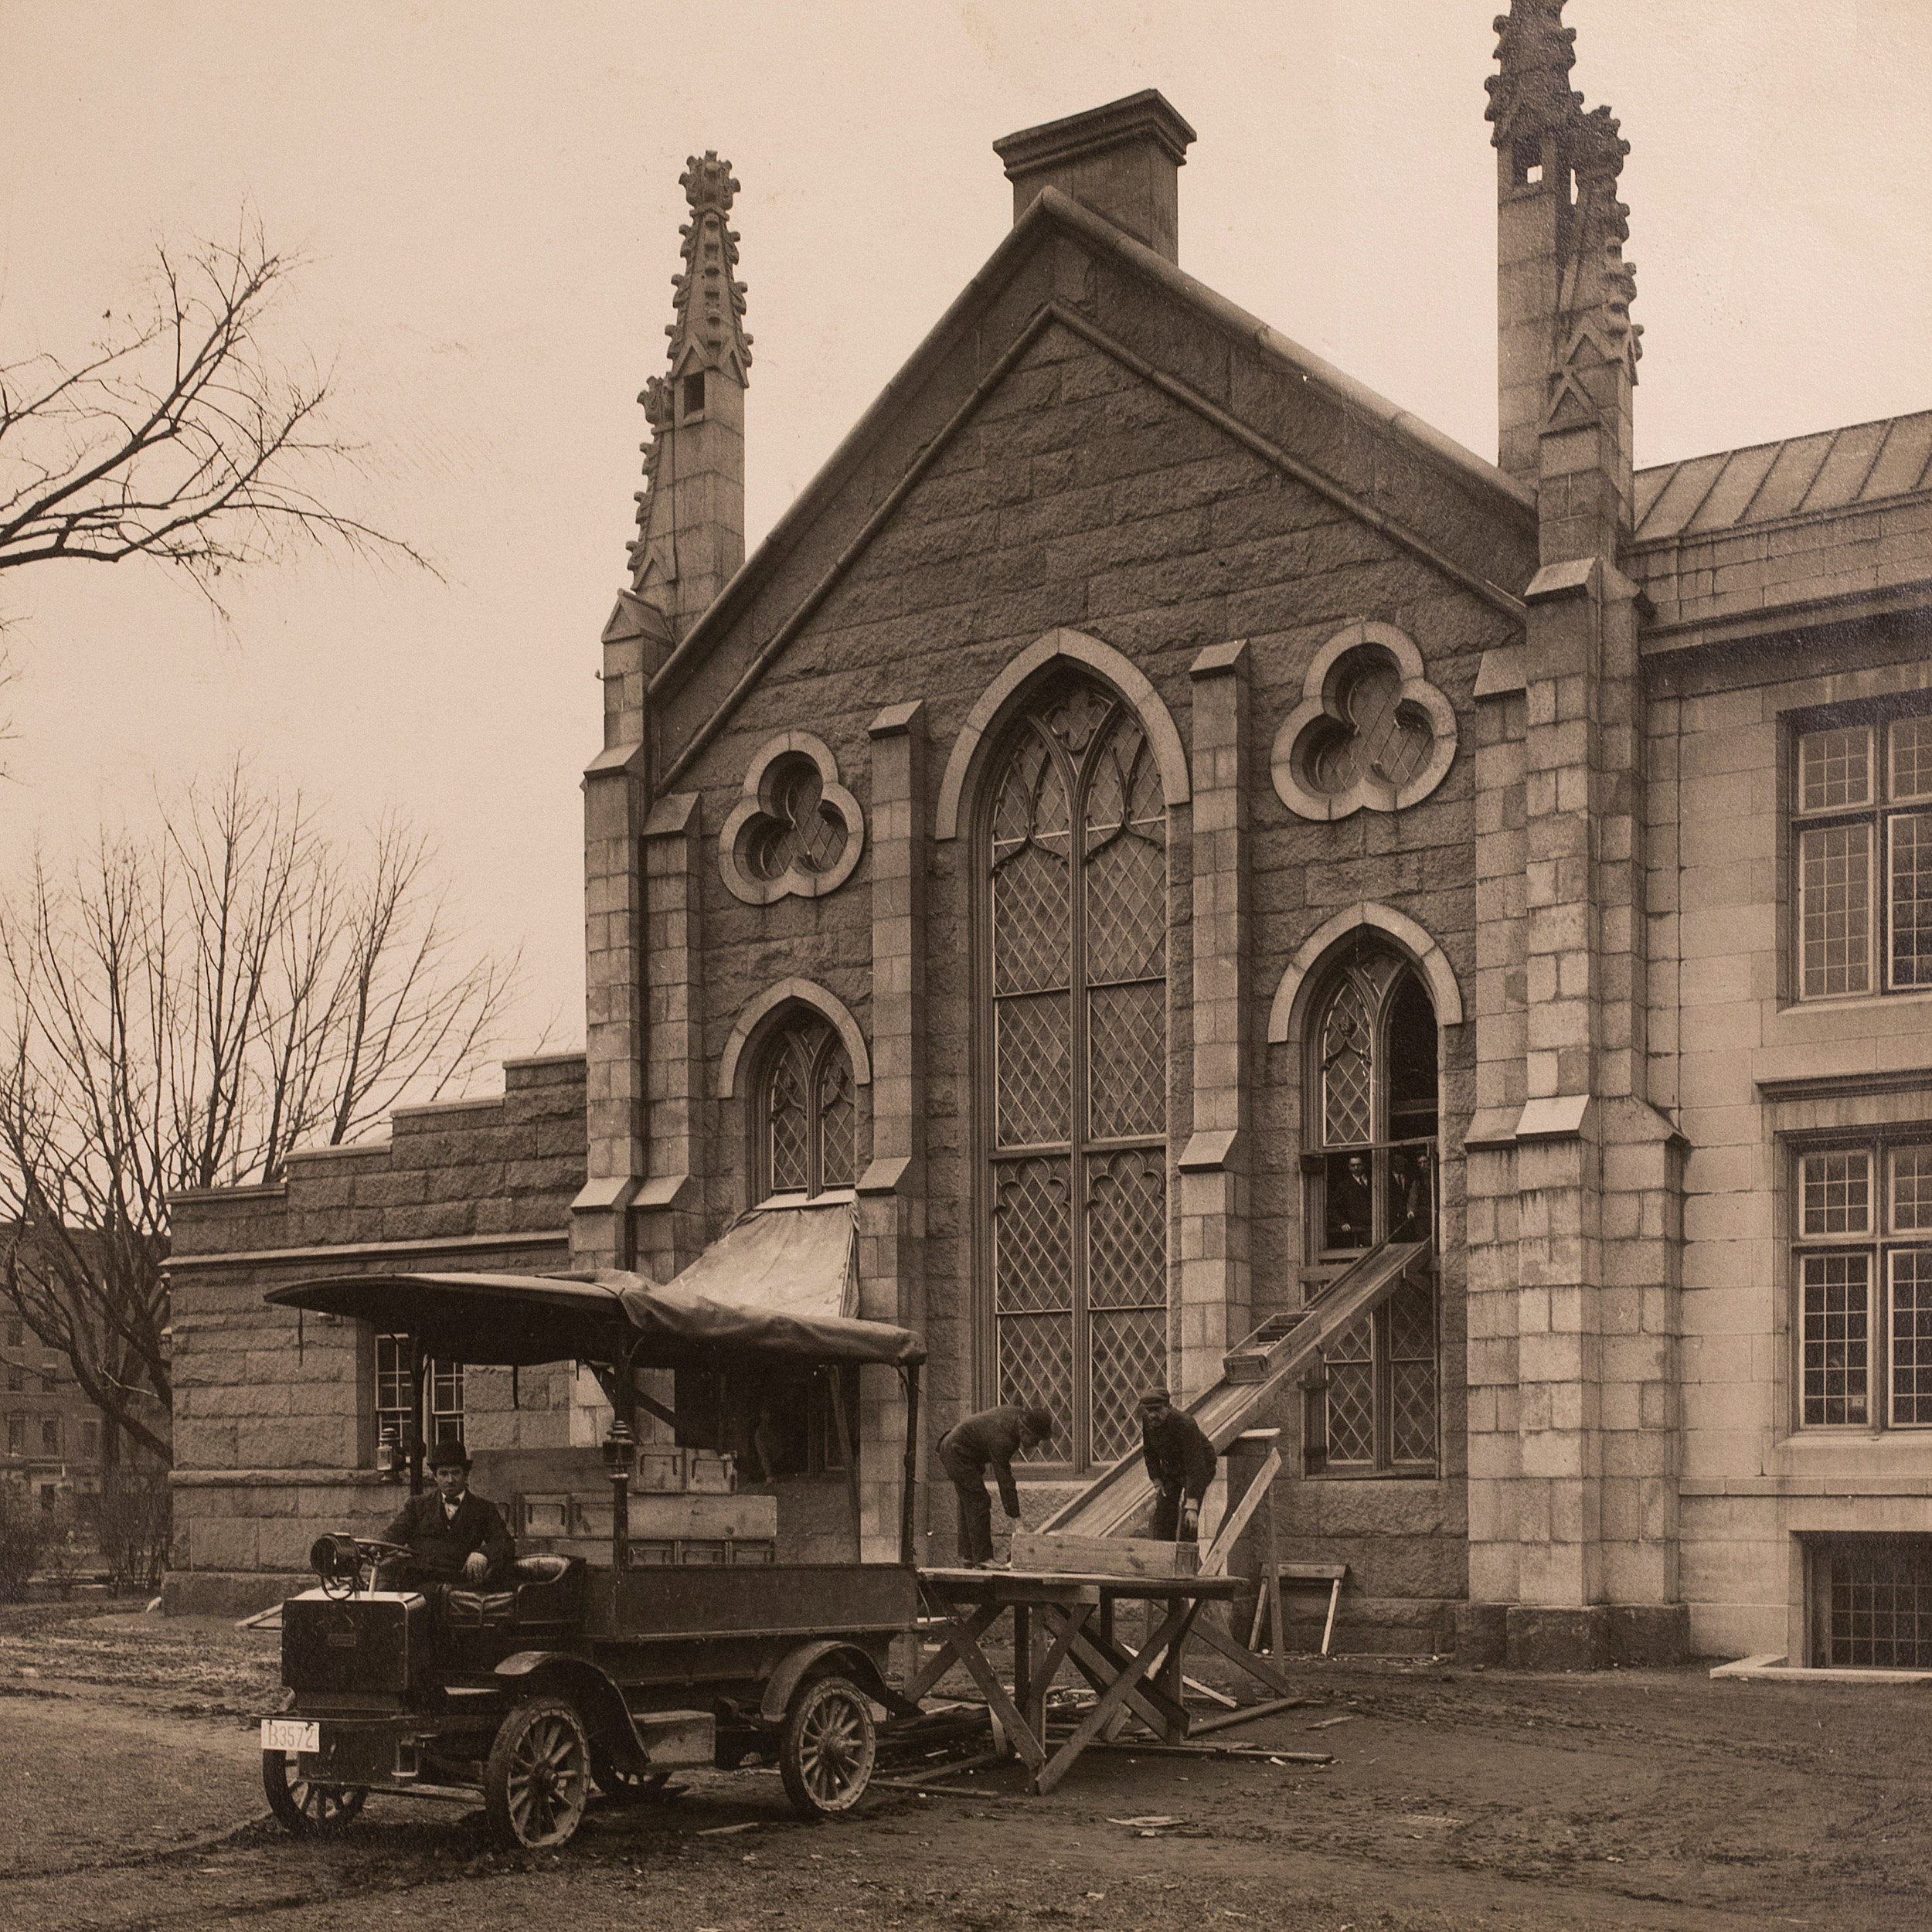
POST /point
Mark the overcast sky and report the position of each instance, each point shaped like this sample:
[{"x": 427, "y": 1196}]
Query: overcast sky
[{"x": 488, "y": 196}]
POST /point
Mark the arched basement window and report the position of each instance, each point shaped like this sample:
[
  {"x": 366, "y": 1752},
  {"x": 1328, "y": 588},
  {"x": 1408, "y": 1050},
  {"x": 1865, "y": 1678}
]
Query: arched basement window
[
  {"x": 1073, "y": 1094},
  {"x": 807, "y": 1110}
]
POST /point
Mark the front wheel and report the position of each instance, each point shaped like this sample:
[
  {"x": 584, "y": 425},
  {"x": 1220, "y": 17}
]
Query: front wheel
[
  {"x": 827, "y": 1752},
  {"x": 302, "y": 1806},
  {"x": 537, "y": 1780}
]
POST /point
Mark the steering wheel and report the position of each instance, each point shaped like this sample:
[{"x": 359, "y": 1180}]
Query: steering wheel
[{"x": 347, "y": 1565}]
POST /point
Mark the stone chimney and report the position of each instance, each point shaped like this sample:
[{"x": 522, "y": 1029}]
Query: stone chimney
[{"x": 1123, "y": 161}]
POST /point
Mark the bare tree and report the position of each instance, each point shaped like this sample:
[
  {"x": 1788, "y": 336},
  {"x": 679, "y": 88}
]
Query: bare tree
[
  {"x": 182, "y": 438},
  {"x": 181, "y": 1012}
]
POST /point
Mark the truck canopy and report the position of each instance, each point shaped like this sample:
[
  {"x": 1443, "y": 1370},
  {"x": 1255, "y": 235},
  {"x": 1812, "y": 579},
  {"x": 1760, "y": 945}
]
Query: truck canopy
[{"x": 794, "y": 1262}]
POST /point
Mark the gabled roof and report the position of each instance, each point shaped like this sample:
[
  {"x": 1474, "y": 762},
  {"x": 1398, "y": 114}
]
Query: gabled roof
[
  {"x": 1833, "y": 470},
  {"x": 918, "y": 407}
]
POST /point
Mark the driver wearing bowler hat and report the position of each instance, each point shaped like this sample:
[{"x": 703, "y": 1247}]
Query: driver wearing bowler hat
[{"x": 452, "y": 1536}]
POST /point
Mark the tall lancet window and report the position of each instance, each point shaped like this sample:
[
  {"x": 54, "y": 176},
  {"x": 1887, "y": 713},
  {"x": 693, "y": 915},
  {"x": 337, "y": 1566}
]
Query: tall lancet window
[{"x": 1074, "y": 1112}]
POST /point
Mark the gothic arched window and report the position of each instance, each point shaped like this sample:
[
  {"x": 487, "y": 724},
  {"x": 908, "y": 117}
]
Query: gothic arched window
[
  {"x": 807, "y": 1110},
  {"x": 1371, "y": 1169},
  {"x": 1074, "y": 1112}
]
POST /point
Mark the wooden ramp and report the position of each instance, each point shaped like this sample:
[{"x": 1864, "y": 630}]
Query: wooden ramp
[{"x": 1121, "y": 1502}]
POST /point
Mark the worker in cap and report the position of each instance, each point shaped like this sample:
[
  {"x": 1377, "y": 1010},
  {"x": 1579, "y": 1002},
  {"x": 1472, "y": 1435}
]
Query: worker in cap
[
  {"x": 990, "y": 1440},
  {"x": 1181, "y": 1459}
]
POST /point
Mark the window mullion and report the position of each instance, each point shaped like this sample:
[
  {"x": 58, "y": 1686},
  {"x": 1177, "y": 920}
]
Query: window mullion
[{"x": 1079, "y": 1104}]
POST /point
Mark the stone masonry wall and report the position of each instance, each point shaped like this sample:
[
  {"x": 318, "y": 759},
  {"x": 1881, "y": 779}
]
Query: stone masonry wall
[
  {"x": 1078, "y": 495},
  {"x": 1720, "y": 912},
  {"x": 274, "y": 1436}
]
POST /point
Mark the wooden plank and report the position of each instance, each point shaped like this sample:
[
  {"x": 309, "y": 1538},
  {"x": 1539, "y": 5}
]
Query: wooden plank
[
  {"x": 1216, "y": 1562},
  {"x": 1247, "y": 1714},
  {"x": 1116, "y": 1694},
  {"x": 1069, "y": 1555},
  {"x": 1262, "y": 1673}
]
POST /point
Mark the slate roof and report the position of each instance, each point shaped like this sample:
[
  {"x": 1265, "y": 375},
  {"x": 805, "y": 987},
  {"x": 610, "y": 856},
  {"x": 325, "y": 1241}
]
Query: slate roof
[{"x": 1833, "y": 470}]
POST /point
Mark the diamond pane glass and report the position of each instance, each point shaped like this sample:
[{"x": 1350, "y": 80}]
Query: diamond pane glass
[
  {"x": 786, "y": 1128},
  {"x": 1836, "y": 1189},
  {"x": 1032, "y": 1236},
  {"x": 1126, "y": 1231},
  {"x": 801, "y": 830},
  {"x": 1080, "y": 1282},
  {"x": 1835, "y": 914},
  {"x": 1837, "y": 1339},
  {"x": 1036, "y": 1362},
  {"x": 1345, "y": 1094},
  {"x": 1129, "y": 1351},
  {"x": 1411, "y": 1324},
  {"x": 1911, "y": 1335},
  {"x": 1911, "y": 895},
  {"x": 1127, "y": 1043},
  {"x": 1126, "y": 911},
  {"x": 1351, "y": 1413},
  {"x": 1834, "y": 769},
  {"x": 1912, "y": 1190},
  {"x": 838, "y": 1114},
  {"x": 1034, "y": 1044},
  {"x": 1032, "y": 923},
  {"x": 1412, "y": 1422}
]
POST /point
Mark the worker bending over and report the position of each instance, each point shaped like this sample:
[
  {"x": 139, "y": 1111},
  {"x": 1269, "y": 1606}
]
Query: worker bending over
[
  {"x": 993, "y": 1438},
  {"x": 1181, "y": 1461}
]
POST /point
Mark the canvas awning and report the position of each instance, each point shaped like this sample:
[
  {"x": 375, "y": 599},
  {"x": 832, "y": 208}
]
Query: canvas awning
[
  {"x": 790, "y": 1261},
  {"x": 777, "y": 1283}
]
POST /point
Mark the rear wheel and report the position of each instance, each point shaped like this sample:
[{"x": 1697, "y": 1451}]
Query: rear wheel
[
  {"x": 537, "y": 1780},
  {"x": 303, "y": 1807},
  {"x": 827, "y": 1750}
]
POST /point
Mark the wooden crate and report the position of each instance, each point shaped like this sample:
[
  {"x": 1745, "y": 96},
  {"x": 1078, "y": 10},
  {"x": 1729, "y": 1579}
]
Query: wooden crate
[{"x": 1061, "y": 1556}]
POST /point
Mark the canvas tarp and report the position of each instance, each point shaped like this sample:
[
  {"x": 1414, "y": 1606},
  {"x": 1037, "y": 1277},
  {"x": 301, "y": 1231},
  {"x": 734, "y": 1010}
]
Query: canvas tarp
[{"x": 776, "y": 1282}]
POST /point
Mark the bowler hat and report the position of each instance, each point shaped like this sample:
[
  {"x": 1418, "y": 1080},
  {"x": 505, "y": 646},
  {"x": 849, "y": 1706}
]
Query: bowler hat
[{"x": 449, "y": 1452}]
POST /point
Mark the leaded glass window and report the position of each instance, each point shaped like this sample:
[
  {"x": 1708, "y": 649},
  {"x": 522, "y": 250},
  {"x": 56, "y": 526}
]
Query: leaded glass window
[
  {"x": 1863, "y": 866},
  {"x": 1370, "y": 1172},
  {"x": 1863, "y": 1277},
  {"x": 1075, "y": 952},
  {"x": 808, "y": 1111}
]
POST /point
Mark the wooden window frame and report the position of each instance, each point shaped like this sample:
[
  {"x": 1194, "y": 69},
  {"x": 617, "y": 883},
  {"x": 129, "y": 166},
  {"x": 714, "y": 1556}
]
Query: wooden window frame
[
  {"x": 1880, "y": 815},
  {"x": 1878, "y": 1244}
]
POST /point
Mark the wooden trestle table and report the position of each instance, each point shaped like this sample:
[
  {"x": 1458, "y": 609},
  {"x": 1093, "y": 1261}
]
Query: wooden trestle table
[{"x": 1070, "y": 1620}]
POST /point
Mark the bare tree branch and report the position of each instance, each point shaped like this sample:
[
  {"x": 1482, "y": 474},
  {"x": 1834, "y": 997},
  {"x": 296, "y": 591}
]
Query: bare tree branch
[
  {"x": 184, "y": 440},
  {"x": 182, "y": 1012}
]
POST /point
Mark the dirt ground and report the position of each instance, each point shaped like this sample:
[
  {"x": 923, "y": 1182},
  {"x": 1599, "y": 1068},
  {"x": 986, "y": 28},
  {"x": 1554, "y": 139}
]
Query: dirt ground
[{"x": 1456, "y": 1799}]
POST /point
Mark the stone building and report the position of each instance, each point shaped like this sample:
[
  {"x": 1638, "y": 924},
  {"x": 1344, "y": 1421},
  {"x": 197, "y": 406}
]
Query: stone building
[{"x": 1154, "y": 822}]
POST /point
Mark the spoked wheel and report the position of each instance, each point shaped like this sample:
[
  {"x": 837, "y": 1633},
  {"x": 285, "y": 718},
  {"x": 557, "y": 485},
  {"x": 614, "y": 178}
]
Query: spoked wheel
[
  {"x": 624, "y": 1788},
  {"x": 304, "y": 1807},
  {"x": 828, "y": 1748},
  {"x": 538, "y": 1779}
]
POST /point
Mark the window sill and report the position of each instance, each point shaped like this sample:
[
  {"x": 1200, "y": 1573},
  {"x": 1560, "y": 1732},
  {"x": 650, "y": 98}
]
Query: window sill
[{"x": 832, "y": 1197}]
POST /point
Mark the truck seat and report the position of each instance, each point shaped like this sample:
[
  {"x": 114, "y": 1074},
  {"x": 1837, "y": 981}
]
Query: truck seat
[{"x": 546, "y": 1593}]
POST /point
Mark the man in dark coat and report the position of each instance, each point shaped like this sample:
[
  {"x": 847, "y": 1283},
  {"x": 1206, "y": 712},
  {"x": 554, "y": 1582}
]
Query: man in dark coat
[
  {"x": 993, "y": 1438},
  {"x": 1181, "y": 1459},
  {"x": 452, "y": 1536}
]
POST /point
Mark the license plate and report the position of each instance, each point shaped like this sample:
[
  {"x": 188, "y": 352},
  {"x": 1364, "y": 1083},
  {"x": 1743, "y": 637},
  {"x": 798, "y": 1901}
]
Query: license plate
[{"x": 290, "y": 1734}]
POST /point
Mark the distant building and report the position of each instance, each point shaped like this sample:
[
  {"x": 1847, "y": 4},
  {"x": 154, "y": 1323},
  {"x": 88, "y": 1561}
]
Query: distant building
[
  {"x": 1155, "y": 826},
  {"x": 53, "y": 1432}
]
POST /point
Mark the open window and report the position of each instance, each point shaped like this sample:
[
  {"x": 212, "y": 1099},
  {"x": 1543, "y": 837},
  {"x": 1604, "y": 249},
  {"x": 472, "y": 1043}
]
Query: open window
[{"x": 1369, "y": 1170}]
